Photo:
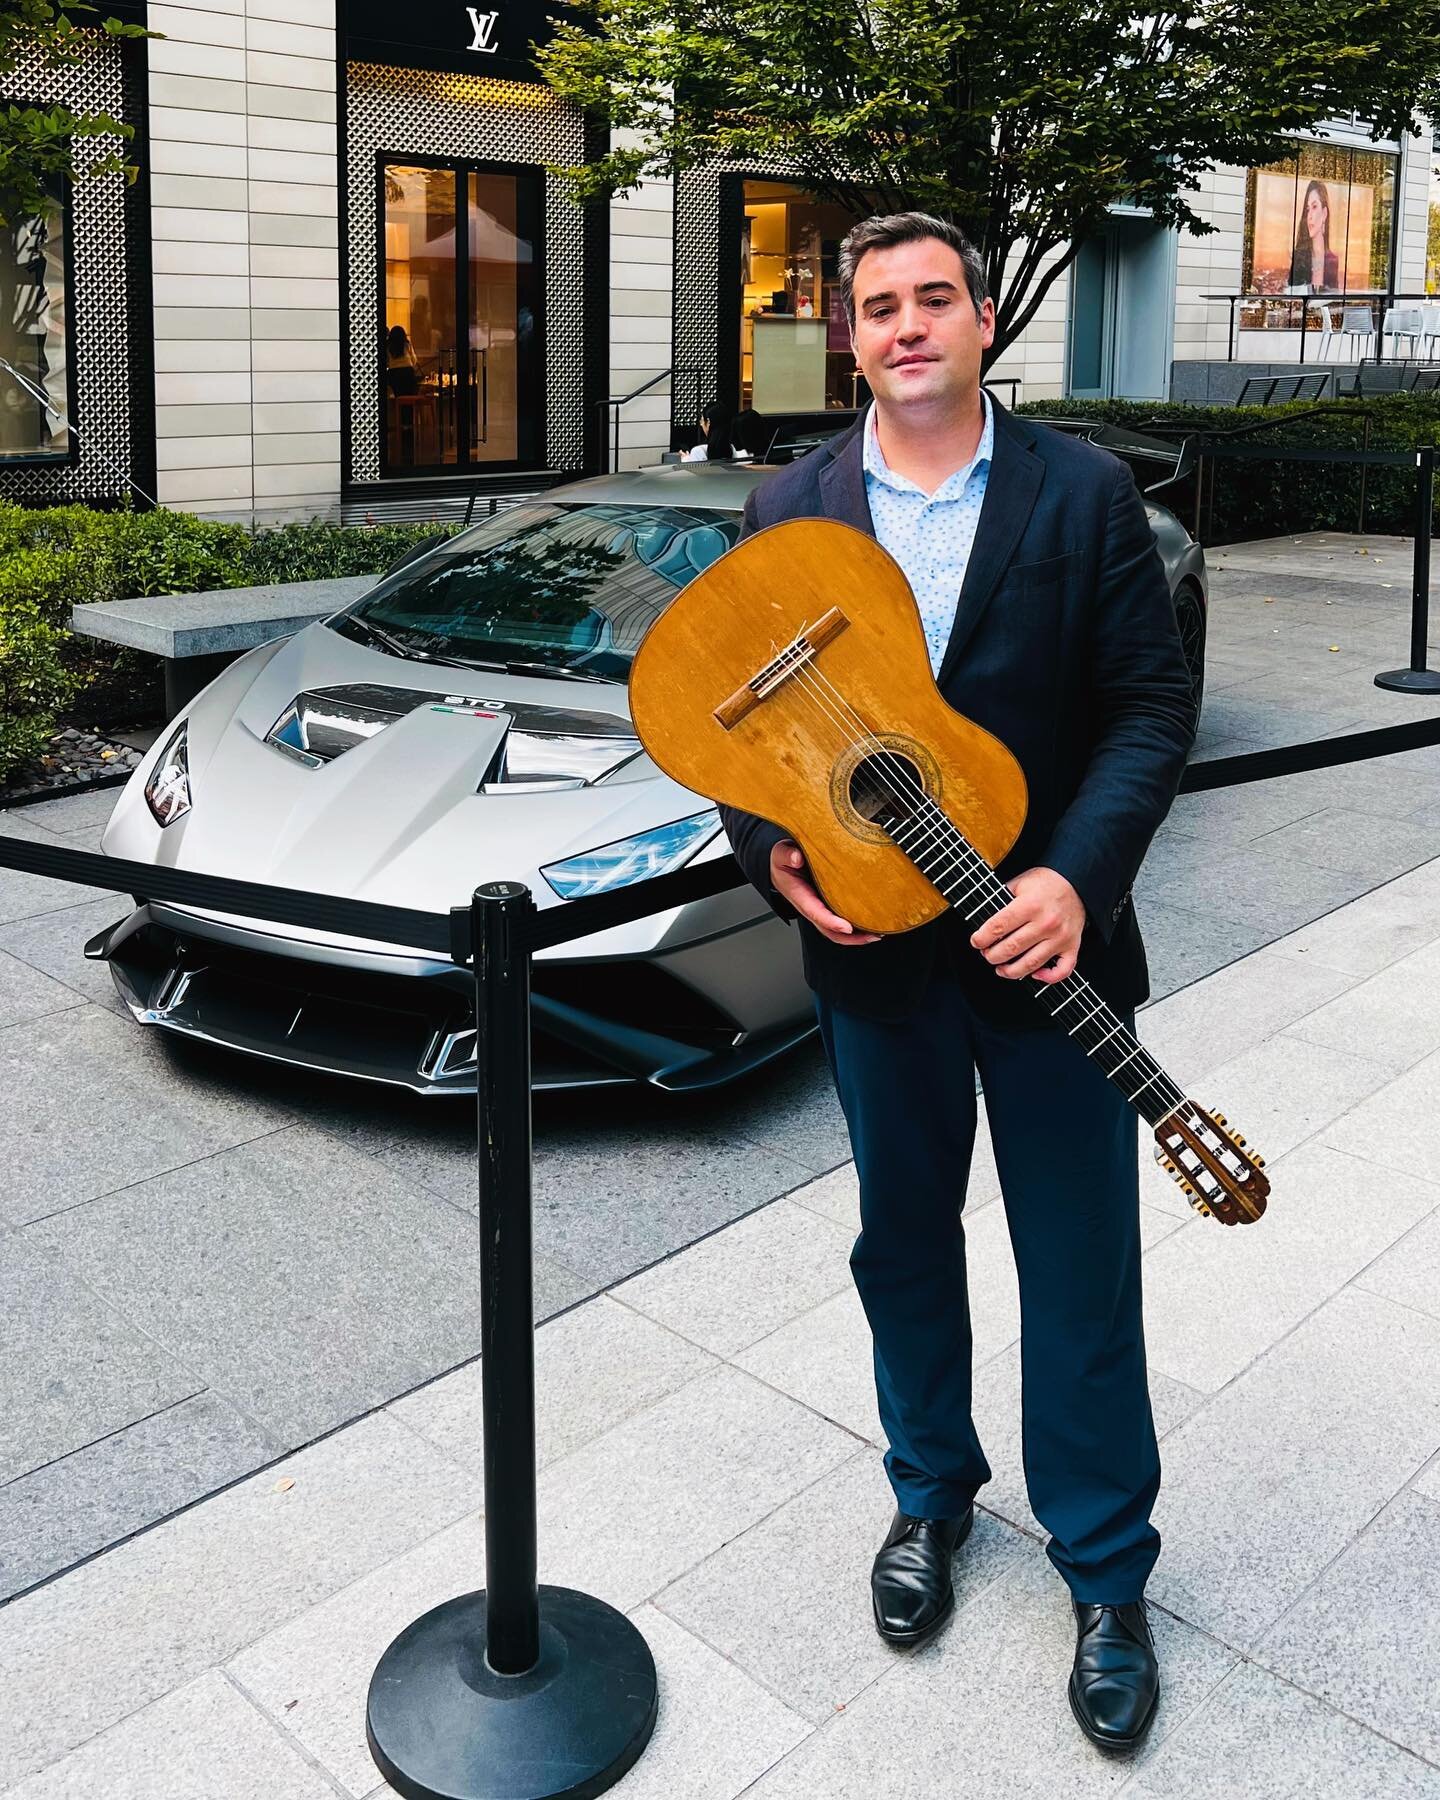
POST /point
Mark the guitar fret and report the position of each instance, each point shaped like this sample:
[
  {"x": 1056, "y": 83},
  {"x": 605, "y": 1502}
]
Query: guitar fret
[{"x": 942, "y": 854}]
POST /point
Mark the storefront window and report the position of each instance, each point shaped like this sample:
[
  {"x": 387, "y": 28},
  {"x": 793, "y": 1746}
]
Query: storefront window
[
  {"x": 460, "y": 338},
  {"x": 795, "y": 351},
  {"x": 1318, "y": 222},
  {"x": 32, "y": 337}
]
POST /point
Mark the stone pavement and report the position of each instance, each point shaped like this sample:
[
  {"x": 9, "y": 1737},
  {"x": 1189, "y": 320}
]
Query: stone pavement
[
  {"x": 709, "y": 1462},
  {"x": 207, "y": 1263}
]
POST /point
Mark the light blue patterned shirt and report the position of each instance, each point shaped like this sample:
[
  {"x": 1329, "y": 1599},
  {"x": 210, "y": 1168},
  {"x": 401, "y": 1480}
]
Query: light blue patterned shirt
[{"x": 930, "y": 535}]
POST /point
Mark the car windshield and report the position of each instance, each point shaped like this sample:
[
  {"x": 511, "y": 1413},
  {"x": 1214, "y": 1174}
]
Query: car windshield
[{"x": 567, "y": 587}]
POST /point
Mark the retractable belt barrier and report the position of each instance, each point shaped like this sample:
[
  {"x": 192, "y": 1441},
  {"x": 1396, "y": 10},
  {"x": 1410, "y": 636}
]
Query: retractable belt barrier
[{"x": 518, "y": 1688}]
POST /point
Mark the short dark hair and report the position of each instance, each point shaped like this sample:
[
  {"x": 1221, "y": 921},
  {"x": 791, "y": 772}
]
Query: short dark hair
[{"x": 886, "y": 230}]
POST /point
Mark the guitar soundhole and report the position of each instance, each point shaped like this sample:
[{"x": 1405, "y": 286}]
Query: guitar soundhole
[{"x": 886, "y": 788}]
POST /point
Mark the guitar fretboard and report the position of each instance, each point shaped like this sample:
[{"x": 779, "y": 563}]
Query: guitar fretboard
[{"x": 947, "y": 859}]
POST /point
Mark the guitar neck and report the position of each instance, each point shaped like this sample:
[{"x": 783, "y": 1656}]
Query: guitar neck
[{"x": 947, "y": 859}]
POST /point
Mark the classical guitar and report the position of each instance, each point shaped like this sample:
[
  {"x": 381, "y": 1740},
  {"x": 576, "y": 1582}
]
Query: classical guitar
[{"x": 791, "y": 679}]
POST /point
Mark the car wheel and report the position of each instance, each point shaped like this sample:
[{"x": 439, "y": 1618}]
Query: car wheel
[{"x": 1190, "y": 616}]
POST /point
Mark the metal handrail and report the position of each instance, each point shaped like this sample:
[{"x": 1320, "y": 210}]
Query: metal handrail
[
  {"x": 1356, "y": 296},
  {"x": 619, "y": 400}
]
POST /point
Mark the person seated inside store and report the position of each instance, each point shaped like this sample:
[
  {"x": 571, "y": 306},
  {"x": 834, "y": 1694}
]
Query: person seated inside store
[
  {"x": 402, "y": 370},
  {"x": 717, "y": 437}
]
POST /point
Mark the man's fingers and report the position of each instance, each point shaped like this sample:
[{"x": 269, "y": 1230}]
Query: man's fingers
[{"x": 786, "y": 864}]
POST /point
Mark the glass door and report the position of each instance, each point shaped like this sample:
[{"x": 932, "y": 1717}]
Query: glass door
[{"x": 460, "y": 354}]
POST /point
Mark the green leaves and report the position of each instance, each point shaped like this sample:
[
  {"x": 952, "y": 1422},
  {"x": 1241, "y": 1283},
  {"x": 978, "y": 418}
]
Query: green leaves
[
  {"x": 1023, "y": 121},
  {"x": 41, "y": 146}
]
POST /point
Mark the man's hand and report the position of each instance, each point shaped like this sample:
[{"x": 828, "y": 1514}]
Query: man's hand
[
  {"x": 1041, "y": 925},
  {"x": 788, "y": 879}
]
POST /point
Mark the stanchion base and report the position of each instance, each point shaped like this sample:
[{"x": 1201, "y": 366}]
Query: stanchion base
[
  {"x": 1410, "y": 681},
  {"x": 442, "y": 1725}
]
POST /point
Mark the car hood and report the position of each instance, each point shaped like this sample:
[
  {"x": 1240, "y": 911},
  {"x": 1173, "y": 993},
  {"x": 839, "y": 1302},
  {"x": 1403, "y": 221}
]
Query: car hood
[{"x": 398, "y": 817}]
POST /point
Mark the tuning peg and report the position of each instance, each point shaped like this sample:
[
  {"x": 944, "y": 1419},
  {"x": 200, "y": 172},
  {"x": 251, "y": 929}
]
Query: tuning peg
[
  {"x": 1259, "y": 1162},
  {"x": 1220, "y": 1119}
]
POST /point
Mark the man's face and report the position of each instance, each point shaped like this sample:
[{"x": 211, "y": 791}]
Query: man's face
[{"x": 916, "y": 337}]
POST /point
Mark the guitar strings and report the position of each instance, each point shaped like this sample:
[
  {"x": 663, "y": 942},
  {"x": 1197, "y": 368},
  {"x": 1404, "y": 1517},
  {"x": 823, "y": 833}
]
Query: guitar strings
[{"x": 1090, "y": 1032}]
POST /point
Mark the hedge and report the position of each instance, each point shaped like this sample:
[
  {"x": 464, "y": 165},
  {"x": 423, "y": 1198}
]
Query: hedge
[
  {"x": 56, "y": 557},
  {"x": 1261, "y": 499}
]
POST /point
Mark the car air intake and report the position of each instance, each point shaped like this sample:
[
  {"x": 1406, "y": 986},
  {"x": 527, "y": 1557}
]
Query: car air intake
[{"x": 323, "y": 723}]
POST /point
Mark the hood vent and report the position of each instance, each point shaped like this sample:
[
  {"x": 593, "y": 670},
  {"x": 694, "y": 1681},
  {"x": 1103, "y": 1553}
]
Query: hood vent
[{"x": 323, "y": 723}]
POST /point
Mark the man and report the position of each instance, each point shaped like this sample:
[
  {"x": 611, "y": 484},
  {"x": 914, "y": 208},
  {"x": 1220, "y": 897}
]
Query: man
[{"x": 1049, "y": 622}]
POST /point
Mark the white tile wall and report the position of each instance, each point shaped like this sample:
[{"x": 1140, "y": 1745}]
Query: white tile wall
[
  {"x": 244, "y": 217},
  {"x": 641, "y": 340}
]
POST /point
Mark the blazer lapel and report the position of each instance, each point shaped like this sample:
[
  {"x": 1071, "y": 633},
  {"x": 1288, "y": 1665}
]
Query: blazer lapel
[
  {"x": 1010, "y": 489},
  {"x": 842, "y": 481}
]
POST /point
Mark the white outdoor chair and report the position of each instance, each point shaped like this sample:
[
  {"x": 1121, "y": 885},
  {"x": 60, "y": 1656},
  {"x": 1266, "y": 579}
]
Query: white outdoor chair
[
  {"x": 1357, "y": 328},
  {"x": 1429, "y": 332},
  {"x": 1400, "y": 322},
  {"x": 1329, "y": 334}
]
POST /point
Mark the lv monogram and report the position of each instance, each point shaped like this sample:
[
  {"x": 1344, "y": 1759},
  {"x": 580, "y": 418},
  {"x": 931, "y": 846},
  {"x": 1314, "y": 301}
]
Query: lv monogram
[{"x": 483, "y": 25}]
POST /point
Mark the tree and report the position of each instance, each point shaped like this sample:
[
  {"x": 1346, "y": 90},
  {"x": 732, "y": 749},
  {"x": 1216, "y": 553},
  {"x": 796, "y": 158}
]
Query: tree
[
  {"x": 40, "y": 145},
  {"x": 1020, "y": 121}
]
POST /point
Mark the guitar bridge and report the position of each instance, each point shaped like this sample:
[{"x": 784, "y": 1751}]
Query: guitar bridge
[{"x": 780, "y": 669}]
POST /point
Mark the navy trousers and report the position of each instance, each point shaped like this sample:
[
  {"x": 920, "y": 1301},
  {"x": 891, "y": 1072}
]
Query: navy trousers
[{"x": 1065, "y": 1149}]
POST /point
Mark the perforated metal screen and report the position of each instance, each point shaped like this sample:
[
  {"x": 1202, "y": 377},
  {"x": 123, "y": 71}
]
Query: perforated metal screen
[
  {"x": 418, "y": 113},
  {"x": 105, "y": 383}
]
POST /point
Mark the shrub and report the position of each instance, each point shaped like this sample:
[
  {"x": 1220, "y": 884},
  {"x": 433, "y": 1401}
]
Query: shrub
[
  {"x": 1257, "y": 498},
  {"x": 34, "y": 682},
  {"x": 53, "y": 558}
]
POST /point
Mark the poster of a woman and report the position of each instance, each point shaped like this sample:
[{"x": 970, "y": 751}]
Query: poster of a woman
[{"x": 1313, "y": 264}]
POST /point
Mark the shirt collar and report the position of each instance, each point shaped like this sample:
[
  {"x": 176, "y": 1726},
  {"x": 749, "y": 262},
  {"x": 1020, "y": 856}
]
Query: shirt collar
[{"x": 876, "y": 465}]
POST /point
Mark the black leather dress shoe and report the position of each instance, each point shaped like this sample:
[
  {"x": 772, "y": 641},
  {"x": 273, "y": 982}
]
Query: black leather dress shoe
[
  {"x": 910, "y": 1585},
  {"x": 1115, "y": 1682}
]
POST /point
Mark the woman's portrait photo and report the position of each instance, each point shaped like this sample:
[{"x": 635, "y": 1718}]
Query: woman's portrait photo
[{"x": 1313, "y": 263}]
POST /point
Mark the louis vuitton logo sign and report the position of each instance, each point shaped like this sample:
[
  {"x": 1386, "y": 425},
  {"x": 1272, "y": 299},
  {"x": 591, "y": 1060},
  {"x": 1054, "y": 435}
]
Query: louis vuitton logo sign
[{"x": 483, "y": 26}]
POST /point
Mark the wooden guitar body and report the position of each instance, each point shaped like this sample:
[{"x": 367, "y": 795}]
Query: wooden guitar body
[{"x": 793, "y": 738}]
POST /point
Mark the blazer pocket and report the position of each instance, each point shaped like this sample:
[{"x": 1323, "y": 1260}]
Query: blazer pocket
[{"x": 1044, "y": 572}]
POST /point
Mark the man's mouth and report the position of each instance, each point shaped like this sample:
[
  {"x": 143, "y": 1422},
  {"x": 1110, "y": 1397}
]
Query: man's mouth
[{"x": 907, "y": 362}]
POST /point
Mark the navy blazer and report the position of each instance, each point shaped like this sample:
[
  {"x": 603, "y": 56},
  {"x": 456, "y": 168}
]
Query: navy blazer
[{"x": 1064, "y": 646}]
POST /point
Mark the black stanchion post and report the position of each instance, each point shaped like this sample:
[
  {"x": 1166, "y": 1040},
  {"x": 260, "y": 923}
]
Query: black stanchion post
[
  {"x": 513, "y": 1692},
  {"x": 1418, "y": 679}
]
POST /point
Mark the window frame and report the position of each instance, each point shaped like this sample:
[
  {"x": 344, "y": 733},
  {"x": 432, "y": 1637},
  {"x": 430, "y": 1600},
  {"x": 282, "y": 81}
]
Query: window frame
[{"x": 531, "y": 373}]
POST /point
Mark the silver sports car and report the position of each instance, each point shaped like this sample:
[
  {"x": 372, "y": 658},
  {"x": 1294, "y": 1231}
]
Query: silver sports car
[{"x": 466, "y": 721}]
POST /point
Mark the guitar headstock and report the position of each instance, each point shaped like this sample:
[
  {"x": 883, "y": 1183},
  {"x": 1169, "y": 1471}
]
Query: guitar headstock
[{"x": 1221, "y": 1177}]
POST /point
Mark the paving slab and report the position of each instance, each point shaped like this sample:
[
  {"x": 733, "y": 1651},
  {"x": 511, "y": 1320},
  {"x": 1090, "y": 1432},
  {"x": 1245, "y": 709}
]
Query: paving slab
[
  {"x": 1258, "y": 1736},
  {"x": 982, "y": 1711},
  {"x": 67, "y": 818},
  {"x": 739, "y": 1285},
  {"x": 1393, "y": 1125},
  {"x": 1282, "y": 1090},
  {"x": 97, "y": 1495},
  {"x": 695, "y": 1470},
  {"x": 376, "y": 1290},
  {"x": 75, "y": 1368},
  {"x": 207, "y": 1737},
  {"x": 1409, "y": 1274},
  {"x": 1368, "y": 935},
  {"x": 1363, "y": 1637},
  {"x": 789, "y": 1600},
  {"x": 594, "y": 1366},
  {"x": 1349, "y": 842},
  {"x": 23, "y": 895},
  {"x": 1270, "y": 1480},
  {"x": 79, "y": 1655},
  {"x": 1216, "y": 1299},
  {"x": 27, "y": 994},
  {"x": 1393, "y": 1013},
  {"x": 123, "y": 1111},
  {"x": 54, "y": 944},
  {"x": 1200, "y": 1027}
]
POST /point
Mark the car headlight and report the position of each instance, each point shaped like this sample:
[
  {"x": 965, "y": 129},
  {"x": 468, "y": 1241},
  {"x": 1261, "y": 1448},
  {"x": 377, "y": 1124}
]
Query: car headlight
[
  {"x": 632, "y": 859},
  {"x": 167, "y": 792}
]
